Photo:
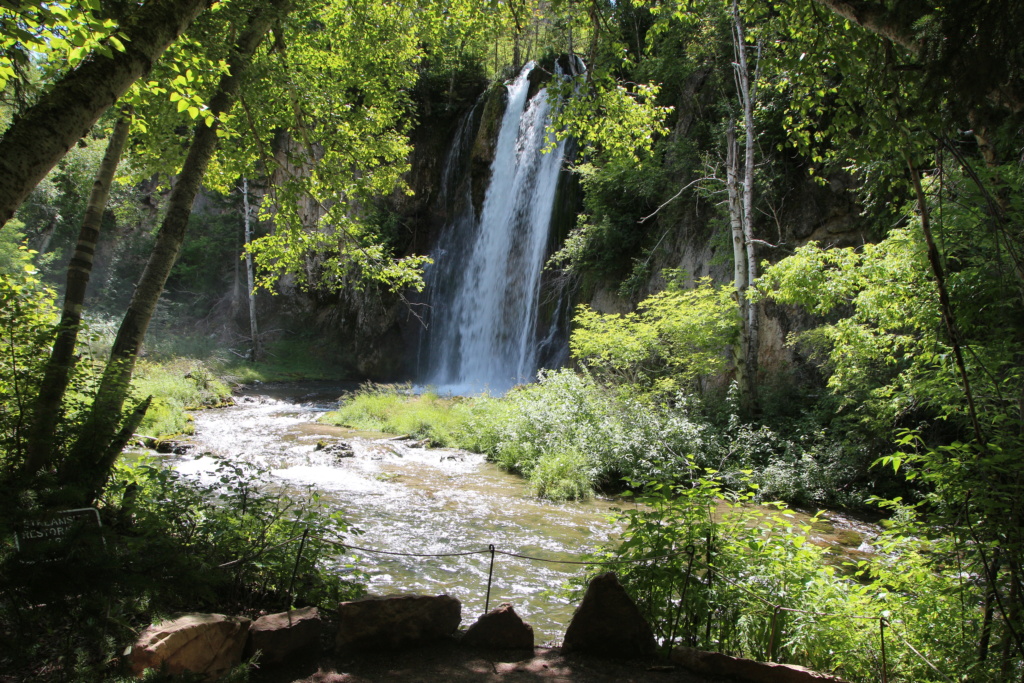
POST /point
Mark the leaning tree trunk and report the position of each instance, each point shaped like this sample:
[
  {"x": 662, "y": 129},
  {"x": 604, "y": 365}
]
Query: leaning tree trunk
[
  {"x": 45, "y": 132},
  {"x": 58, "y": 367},
  {"x": 92, "y": 457}
]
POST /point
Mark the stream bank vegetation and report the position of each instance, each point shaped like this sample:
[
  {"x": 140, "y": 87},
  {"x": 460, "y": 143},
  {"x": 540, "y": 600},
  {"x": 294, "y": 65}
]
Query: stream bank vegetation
[{"x": 169, "y": 544}]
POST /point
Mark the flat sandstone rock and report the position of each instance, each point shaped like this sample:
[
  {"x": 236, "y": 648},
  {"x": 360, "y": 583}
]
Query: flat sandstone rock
[
  {"x": 500, "y": 629},
  {"x": 387, "y": 623},
  {"x": 201, "y": 643},
  {"x": 278, "y": 636},
  {"x": 716, "y": 664}
]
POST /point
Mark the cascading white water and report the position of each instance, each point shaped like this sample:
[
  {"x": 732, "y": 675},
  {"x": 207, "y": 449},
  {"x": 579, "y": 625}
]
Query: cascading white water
[{"x": 484, "y": 316}]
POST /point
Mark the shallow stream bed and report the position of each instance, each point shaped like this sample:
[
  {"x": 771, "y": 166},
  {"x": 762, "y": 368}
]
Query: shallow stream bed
[{"x": 407, "y": 499}]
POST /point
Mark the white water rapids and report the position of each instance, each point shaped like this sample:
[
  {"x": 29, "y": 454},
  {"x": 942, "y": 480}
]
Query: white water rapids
[{"x": 404, "y": 498}]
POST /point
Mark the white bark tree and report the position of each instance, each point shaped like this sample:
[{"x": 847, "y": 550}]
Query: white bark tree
[
  {"x": 740, "y": 186},
  {"x": 254, "y": 354}
]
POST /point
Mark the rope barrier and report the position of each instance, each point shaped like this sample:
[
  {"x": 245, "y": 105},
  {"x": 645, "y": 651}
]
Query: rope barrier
[
  {"x": 490, "y": 575},
  {"x": 392, "y": 552},
  {"x": 881, "y": 637},
  {"x": 507, "y": 553},
  {"x": 688, "y": 550},
  {"x": 261, "y": 552},
  {"x": 593, "y": 562}
]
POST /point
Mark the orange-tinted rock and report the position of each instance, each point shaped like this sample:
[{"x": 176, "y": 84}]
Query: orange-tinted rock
[
  {"x": 716, "y": 664},
  {"x": 277, "y": 636},
  {"x": 201, "y": 643}
]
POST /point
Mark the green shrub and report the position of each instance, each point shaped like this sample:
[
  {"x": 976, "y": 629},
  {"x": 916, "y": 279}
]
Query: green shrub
[
  {"x": 562, "y": 475},
  {"x": 176, "y": 386},
  {"x": 711, "y": 572},
  {"x": 673, "y": 341},
  {"x": 165, "y": 417},
  {"x": 27, "y": 319},
  {"x": 187, "y": 382},
  {"x": 549, "y": 424}
]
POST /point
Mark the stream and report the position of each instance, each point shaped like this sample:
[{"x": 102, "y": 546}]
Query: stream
[{"x": 404, "y": 498}]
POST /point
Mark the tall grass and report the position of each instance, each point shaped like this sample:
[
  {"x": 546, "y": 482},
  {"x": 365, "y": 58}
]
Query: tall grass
[
  {"x": 395, "y": 409},
  {"x": 176, "y": 386}
]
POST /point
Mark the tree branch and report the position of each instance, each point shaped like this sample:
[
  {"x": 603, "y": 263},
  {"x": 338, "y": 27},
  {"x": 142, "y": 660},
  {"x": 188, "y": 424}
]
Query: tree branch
[{"x": 874, "y": 17}]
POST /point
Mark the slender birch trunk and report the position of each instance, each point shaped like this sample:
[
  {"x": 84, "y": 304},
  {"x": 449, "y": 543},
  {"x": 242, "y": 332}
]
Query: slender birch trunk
[
  {"x": 740, "y": 272},
  {"x": 62, "y": 357},
  {"x": 254, "y": 354},
  {"x": 747, "y": 89},
  {"x": 741, "y": 217}
]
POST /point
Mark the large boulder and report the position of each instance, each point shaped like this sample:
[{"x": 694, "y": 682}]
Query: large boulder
[
  {"x": 387, "y": 623},
  {"x": 500, "y": 628},
  {"x": 749, "y": 671},
  {"x": 608, "y": 623},
  {"x": 207, "y": 644},
  {"x": 278, "y": 636}
]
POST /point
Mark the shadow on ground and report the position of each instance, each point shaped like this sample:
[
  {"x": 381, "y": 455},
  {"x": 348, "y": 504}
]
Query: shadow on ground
[{"x": 449, "y": 662}]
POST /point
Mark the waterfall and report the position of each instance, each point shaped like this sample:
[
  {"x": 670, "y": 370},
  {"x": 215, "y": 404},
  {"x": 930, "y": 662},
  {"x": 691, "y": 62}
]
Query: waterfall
[{"x": 485, "y": 283}]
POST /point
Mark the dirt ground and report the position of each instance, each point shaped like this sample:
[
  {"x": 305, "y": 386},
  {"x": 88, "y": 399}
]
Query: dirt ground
[{"x": 449, "y": 662}]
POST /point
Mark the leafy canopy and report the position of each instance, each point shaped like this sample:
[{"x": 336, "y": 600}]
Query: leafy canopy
[{"x": 672, "y": 339}]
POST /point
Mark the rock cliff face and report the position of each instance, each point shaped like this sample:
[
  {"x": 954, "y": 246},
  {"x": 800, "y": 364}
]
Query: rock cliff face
[
  {"x": 382, "y": 333},
  {"x": 809, "y": 212},
  {"x": 690, "y": 233},
  {"x": 450, "y": 169},
  {"x": 375, "y": 332}
]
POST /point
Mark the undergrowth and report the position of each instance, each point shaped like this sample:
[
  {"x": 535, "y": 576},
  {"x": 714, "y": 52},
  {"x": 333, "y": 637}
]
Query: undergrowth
[
  {"x": 185, "y": 371},
  {"x": 753, "y": 582},
  {"x": 169, "y": 545},
  {"x": 571, "y": 436},
  {"x": 178, "y": 385}
]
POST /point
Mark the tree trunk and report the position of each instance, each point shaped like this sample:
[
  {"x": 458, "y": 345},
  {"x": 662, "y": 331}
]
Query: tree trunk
[
  {"x": 39, "y": 138},
  {"x": 58, "y": 368},
  {"x": 739, "y": 255},
  {"x": 877, "y": 18},
  {"x": 88, "y": 461},
  {"x": 747, "y": 89},
  {"x": 741, "y": 219},
  {"x": 254, "y": 354}
]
